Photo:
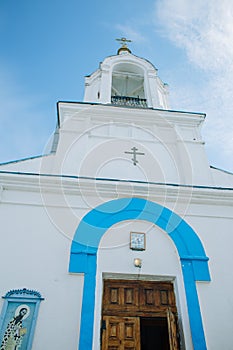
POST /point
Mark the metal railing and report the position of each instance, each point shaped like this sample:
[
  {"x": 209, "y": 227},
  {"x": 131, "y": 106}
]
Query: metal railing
[{"x": 129, "y": 101}]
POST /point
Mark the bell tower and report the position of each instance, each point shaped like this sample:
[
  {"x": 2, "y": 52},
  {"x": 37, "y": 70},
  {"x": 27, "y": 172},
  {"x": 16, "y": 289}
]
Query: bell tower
[
  {"x": 126, "y": 80},
  {"x": 124, "y": 129}
]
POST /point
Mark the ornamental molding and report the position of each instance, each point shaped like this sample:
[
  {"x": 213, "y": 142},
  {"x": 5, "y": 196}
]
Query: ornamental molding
[
  {"x": 64, "y": 185},
  {"x": 107, "y": 113},
  {"x": 23, "y": 293}
]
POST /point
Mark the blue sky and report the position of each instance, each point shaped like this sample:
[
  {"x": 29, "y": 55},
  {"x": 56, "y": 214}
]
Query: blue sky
[{"x": 47, "y": 47}]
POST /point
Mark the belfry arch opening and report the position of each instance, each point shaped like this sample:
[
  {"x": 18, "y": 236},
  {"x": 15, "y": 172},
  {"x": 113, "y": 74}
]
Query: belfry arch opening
[{"x": 128, "y": 85}]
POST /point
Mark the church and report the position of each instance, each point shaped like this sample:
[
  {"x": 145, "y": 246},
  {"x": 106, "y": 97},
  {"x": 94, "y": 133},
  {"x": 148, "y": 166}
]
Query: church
[{"x": 120, "y": 237}]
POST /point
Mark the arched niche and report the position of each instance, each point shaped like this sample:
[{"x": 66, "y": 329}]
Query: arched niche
[{"x": 128, "y": 85}]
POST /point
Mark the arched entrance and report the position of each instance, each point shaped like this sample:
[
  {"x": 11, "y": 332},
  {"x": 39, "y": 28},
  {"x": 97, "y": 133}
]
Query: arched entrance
[{"x": 194, "y": 262}]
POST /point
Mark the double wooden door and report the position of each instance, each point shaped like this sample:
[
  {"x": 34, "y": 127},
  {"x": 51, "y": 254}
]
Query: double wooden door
[{"x": 138, "y": 314}]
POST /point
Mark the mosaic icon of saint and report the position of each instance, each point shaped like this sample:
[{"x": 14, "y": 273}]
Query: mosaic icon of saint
[{"x": 15, "y": 331}]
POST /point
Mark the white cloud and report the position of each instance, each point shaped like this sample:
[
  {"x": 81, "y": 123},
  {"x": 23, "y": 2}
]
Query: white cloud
[{"x": 204, "y": 30}]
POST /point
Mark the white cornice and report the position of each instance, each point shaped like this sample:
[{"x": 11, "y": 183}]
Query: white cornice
[
  {"x": 111, "y": 189},
  {"x": 106, "y": 113}
]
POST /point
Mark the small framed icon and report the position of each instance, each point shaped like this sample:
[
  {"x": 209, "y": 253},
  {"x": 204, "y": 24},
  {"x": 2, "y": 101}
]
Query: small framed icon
[{"x": 137, "y": 241}]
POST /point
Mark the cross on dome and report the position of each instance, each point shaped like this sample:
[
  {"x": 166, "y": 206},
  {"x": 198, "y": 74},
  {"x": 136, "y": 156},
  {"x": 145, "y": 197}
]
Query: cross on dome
[{"x": 124, "y": 47}]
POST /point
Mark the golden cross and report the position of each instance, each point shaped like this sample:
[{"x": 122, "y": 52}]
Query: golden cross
[{"x": 124, "y": 41}]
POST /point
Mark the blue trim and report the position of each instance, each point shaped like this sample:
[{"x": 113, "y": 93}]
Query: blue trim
[
  {"x": 24, "y": 159},
  {"x": 222, "y": 170},
  {"x": 197, "y": 331},
  {"x": 88, "y": 308},
  {"x": 110, "y": 105},
  {"x": 111, "y": 180},
  {"x": 85, "y": 244}
]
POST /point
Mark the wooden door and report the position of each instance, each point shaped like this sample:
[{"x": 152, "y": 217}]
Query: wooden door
[
  {"x": 125, "y": 303},
  {"x": 172, "y": 330},
  {"x": 121, "y": 333}
]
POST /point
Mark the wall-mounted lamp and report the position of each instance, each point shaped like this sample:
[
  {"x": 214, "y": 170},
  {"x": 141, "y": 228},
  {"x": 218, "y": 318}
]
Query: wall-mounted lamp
[{"x": 138, "y": 262}]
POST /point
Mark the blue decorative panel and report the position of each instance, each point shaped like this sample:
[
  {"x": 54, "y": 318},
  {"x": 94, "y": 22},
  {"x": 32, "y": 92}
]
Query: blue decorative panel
[{"x": 18, "y": 319}]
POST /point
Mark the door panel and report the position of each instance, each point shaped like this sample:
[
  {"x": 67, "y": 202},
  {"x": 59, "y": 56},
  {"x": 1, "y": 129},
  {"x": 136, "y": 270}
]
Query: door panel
[
  {"x": 121, "y": 333},
  {"x": 156, "y": 296},
  {"x": 172, "y": 330},
  {"x": 131, "y": 297},
  {"x": 118, "y": 296}
]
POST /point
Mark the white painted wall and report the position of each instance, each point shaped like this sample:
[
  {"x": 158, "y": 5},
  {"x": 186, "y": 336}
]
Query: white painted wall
[
  {"x": 93, "y": 141},
  {"x": 216, "y": 300},
  {"x": 35, "y": 255}
]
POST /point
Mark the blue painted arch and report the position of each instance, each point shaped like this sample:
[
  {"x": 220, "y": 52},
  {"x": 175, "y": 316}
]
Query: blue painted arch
[{"x": 84, "y": 248}]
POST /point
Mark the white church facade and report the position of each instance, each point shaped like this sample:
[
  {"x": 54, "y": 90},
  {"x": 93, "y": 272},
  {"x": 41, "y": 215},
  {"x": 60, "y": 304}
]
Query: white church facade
[{"x": 121, "y": 236}]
